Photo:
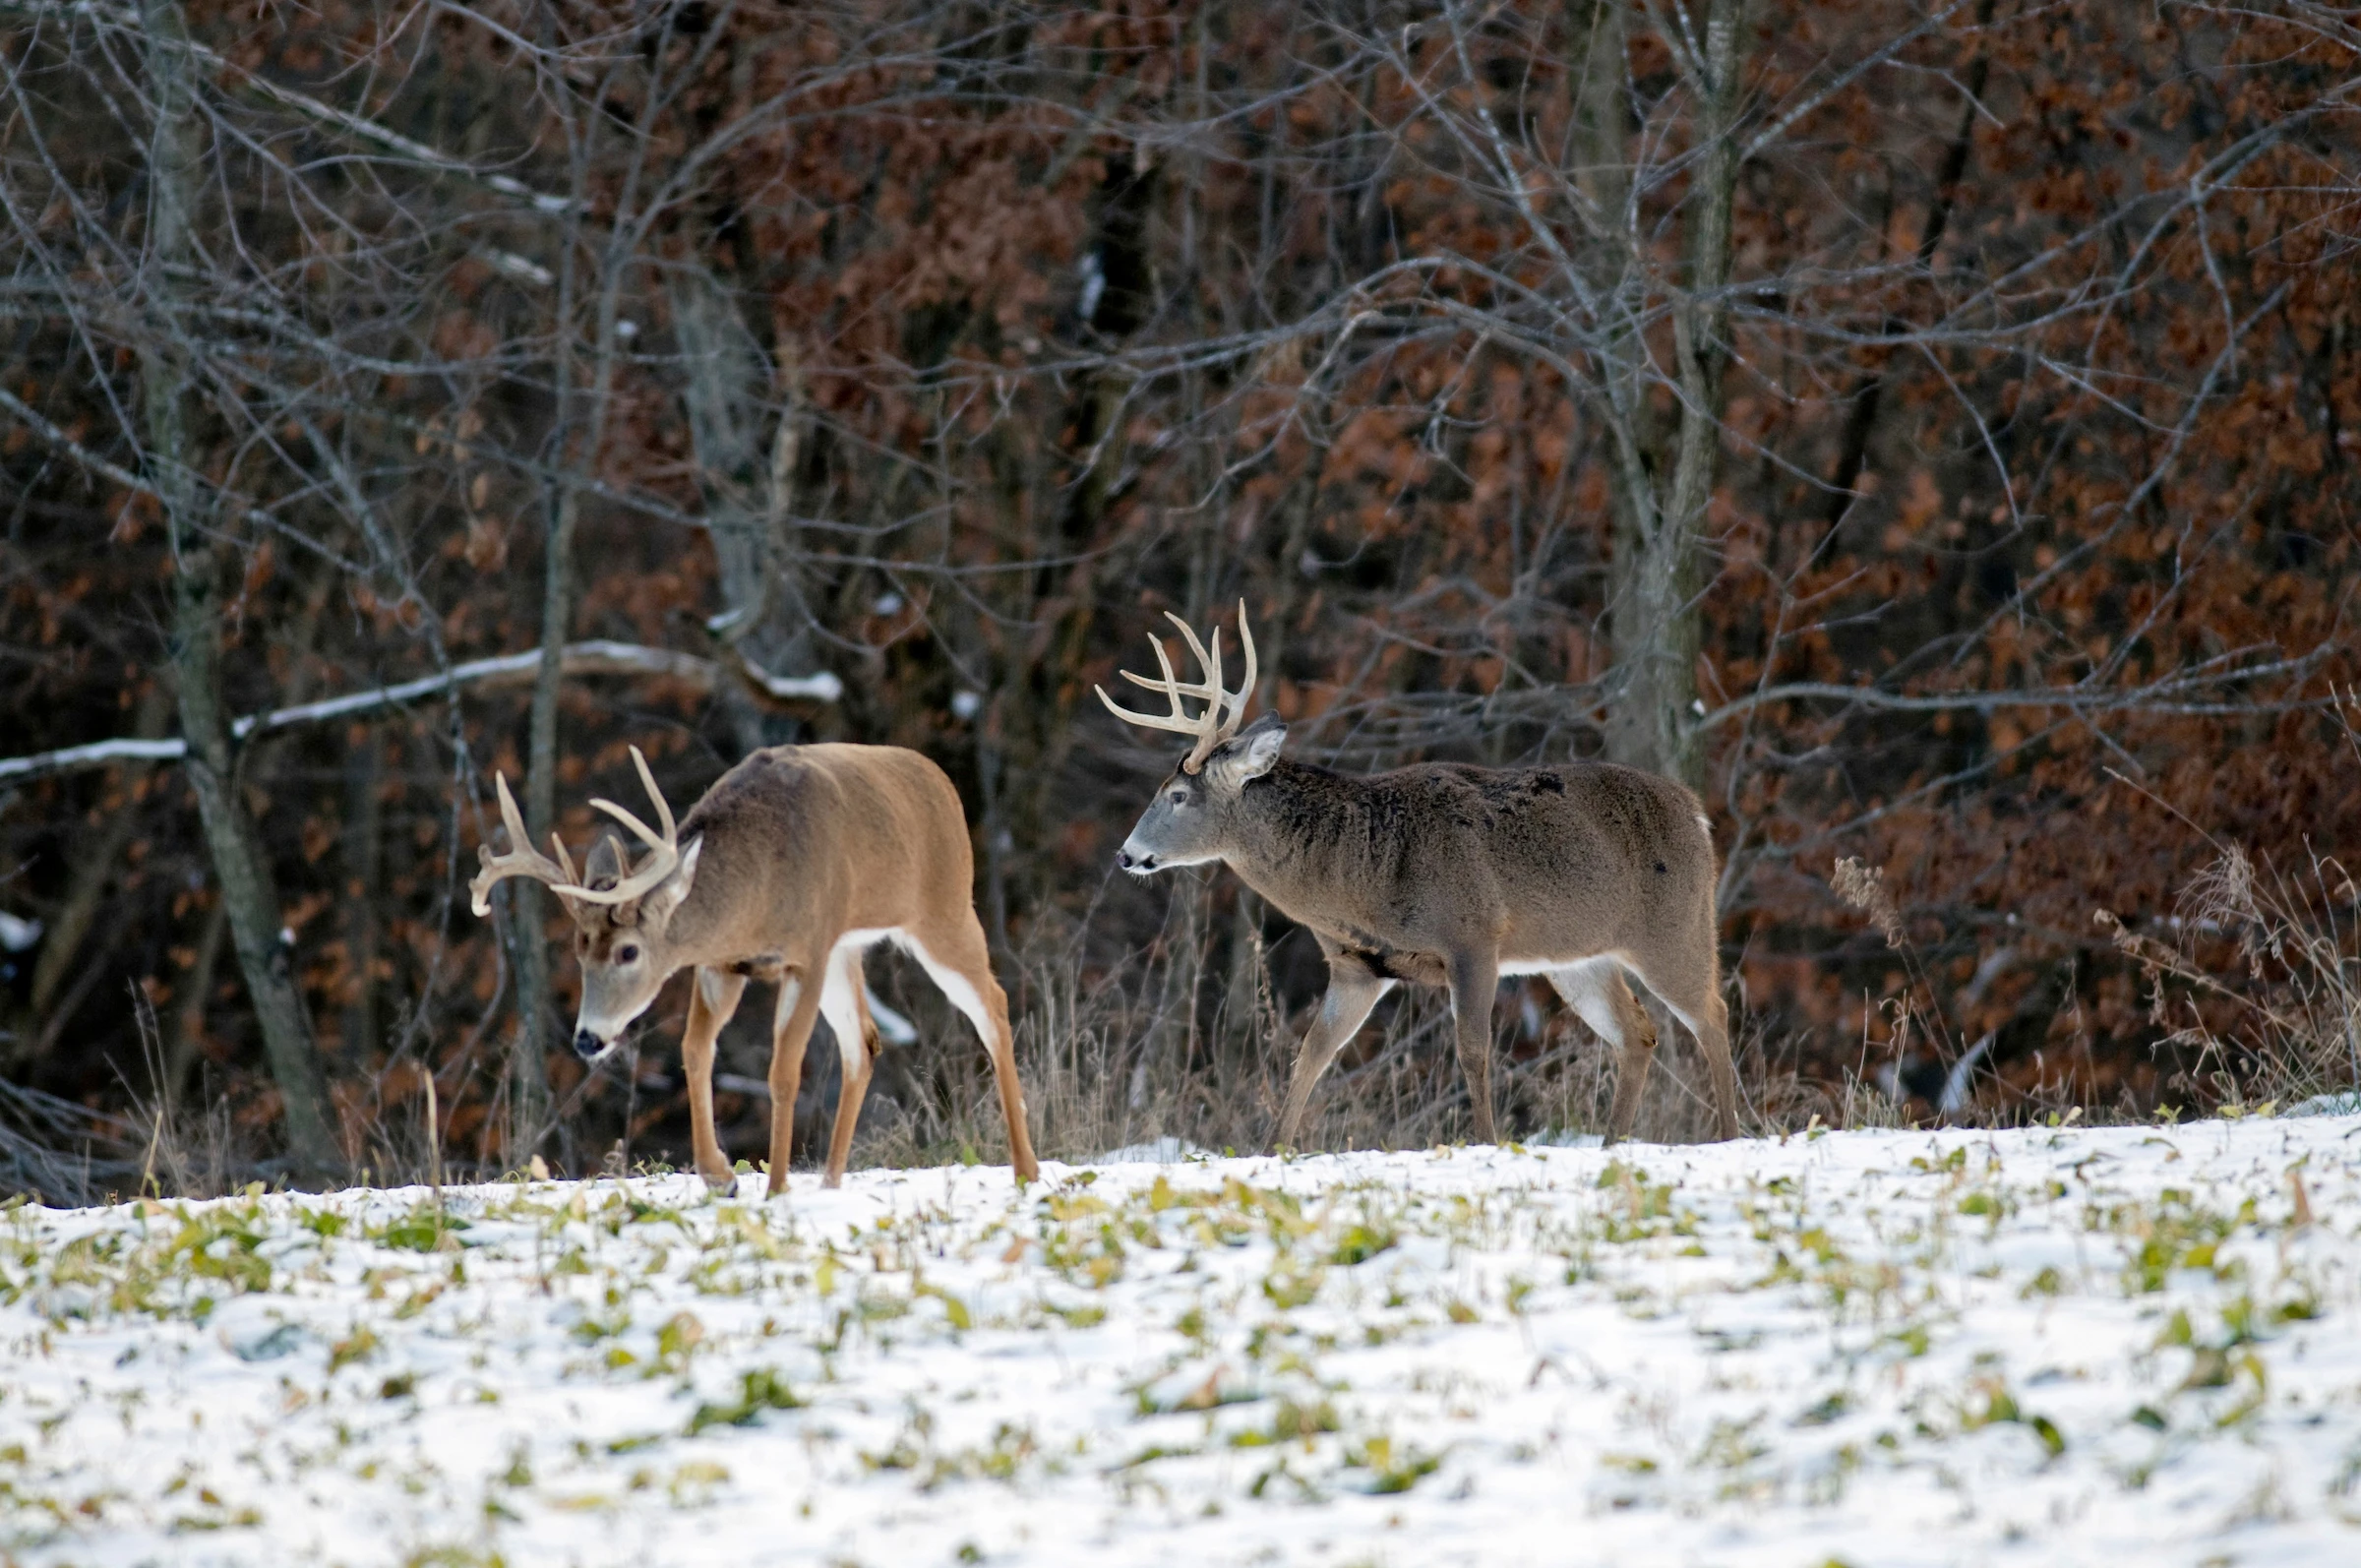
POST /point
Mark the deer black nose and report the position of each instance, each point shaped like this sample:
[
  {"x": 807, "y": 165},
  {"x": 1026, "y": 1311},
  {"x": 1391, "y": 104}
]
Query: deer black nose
[{"x": 587, "y": 1046}]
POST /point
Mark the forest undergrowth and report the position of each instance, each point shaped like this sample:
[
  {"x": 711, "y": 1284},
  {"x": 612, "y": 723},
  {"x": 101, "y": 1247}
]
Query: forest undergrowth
[{"x": 1154, "y": 1061}]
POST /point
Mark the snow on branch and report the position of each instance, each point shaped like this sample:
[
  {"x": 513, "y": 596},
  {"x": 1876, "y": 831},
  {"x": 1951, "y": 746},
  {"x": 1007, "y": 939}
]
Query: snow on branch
[{"x": 512, "y": 669}]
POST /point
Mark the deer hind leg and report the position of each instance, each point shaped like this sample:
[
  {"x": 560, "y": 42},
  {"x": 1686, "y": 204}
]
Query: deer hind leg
[
  {"x": 957, "y": 959},
  {"x": 791, "y": 1030},
  {"x": 1707, "y": 1018},
  {"x": 1475, "y": 980},
  {"x": 841, "y": 1004},
  {"x": 1697, "y": 1003},
  {"x": 712, "y": 1001},
  {"x": 1596, "y": 991},
  {"x": 1352, "y": 989}
]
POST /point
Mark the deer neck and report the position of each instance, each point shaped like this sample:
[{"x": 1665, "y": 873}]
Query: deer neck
[
  {"x": 701, "y": 930},
  {"x": 1301, "y": 838}
]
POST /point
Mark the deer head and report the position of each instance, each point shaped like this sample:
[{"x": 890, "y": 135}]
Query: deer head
[
  {"x": 622, "y": 912},
  {"x": 1190, "y": 821}
]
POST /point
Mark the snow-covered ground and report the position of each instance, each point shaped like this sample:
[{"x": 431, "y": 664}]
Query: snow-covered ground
[{"x": 2077, "y": 1346}]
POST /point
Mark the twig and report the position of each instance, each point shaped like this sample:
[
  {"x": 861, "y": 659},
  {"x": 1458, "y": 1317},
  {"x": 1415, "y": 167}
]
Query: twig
[{"x": 433, "y": 1145}]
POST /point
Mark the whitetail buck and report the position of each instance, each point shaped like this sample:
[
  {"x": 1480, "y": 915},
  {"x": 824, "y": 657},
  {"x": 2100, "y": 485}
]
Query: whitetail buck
[
  {"x": 1446, "y": 874},
  {"x": 795, "y": 861}
]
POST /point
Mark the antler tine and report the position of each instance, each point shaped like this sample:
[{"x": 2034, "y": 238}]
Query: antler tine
[
  {"x": 1178, "y": 720},
  {"x": 1209, "y": 735},
  {"x": 1223, "y": 709},
  {"x": 647, "y": 835},
  {"x": 519, "y": 840},
  {"x": 1171, "y": 683},
  {"x": 670, "y": 838},
  {"x": 660, "y": 865},
  {"x": 1185, "y": 688},
  {"x": 1245, "y": 687},
  {"x": 1172, "y": 680},
  {"x": 664, "y": 848},
  {"x": 647, "y": 780},
  {"x": 525, "y": 861},
  {"x": 1211, "y": 663},
  {"x": 522, "y": 860}
]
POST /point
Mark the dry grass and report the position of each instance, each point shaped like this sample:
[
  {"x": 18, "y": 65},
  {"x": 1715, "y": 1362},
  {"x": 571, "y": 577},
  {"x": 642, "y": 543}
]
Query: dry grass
[
  {"x": 2259, "y": 986},
  {"x": 2285, "y": 1024},
  {"x": 2258, "y": 976},
  {"x": 1165, "y": 1050},
  {"x": 1125, "y": 1063},
  {"x": 1168, "y": 1050}
]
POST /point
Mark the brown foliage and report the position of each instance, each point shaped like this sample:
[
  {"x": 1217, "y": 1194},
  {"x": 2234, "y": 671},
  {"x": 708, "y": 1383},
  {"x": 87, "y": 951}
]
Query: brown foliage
[{"x": 2036, "y": 467}]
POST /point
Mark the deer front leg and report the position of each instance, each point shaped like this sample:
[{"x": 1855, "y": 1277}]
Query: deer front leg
[
  {"x": 711, "y": 1000},
  {"x": 799, "y": 1005},
  {"x": 1352, "y": 989},
  {"x": 1475, "y": 979},
  {"x": 847, "y": 1012}
]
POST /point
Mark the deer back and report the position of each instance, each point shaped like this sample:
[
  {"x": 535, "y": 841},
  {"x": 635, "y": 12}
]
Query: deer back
[
  {"x": 1545, "y": 862},
  {"x": 802, "y": 843}
]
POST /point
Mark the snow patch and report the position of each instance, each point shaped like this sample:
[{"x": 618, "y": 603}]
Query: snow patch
[
  {"x": 1932, "y": 1348},
  {"x": 1166, "y": 1150}
]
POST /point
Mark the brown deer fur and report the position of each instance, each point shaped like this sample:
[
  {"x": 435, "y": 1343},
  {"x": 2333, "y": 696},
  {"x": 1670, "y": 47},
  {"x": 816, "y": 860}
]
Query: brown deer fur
[
  {"x": 795, "y": 861},
  {"x": 1451, "y": 875}
]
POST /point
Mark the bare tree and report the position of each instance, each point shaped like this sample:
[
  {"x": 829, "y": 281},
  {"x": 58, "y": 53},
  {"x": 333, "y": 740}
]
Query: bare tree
[
  {"x": 1815, "y": 407},
  {"x": 174, "y": 177}
]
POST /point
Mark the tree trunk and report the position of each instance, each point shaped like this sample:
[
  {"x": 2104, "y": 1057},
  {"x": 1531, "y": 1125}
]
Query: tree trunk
[
  {"x": 1659, "y": 535},
  {"x": 531, "y": 1107},
  {"x": 748, "y": 485},
  {"x": 240, "y": 863},
  {"x": 364, "y": 876}
]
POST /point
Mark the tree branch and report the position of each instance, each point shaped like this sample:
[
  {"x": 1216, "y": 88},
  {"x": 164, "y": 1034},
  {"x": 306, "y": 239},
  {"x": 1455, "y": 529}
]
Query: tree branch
[
  {"x": 2158, "y": 696},
  {"x": 238, "y": 77},
  {"x": 113, "y": 473},
  {"x": 507, "y": 670}
]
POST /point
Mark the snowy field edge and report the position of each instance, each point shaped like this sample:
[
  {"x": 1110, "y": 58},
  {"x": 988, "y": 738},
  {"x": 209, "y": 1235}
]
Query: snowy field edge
[{"x": 2041, "y": 1346}]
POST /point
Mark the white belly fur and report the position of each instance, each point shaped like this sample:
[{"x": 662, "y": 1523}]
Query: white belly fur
[
  {"x": 1512, "y": 967},
  {"x": 952, "y": 984}
]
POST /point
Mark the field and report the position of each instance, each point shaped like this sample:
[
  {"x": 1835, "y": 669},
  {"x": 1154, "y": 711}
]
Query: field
[{"x": 2051, "y": 1346}]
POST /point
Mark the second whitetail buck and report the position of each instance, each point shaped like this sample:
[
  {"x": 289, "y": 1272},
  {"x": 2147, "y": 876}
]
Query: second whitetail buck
[
  {"x": 1452, "y": 875},
  {"x": 796, "y": 861}
]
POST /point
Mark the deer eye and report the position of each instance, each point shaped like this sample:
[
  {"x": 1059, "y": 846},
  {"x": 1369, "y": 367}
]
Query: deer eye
[{"x": 627, "y": 954}]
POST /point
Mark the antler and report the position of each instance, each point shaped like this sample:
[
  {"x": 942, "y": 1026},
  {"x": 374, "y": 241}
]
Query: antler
[
  {"x": 1210, "y": 727},
  {"x": 525, "y": 861},
  {"x": 521, "y": 860},
  {"x": 666, "y": 846}
]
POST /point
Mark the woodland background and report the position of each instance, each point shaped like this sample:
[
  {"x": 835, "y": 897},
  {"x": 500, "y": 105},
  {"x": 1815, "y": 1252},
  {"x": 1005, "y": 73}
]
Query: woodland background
[{"x": 1929, "y": 429}]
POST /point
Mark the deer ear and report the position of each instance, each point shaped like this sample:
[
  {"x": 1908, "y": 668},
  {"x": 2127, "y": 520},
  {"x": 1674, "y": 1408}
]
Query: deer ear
[
  {"x": 602, "y": 868},
  {"x": 658, "y": 903},
  {"x": 1250, "y": 754}
]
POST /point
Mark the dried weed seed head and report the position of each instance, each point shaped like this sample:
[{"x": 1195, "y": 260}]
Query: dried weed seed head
[
  {"x": 2223, "y": 897},
  {"x": 1863, "y": 887}
]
